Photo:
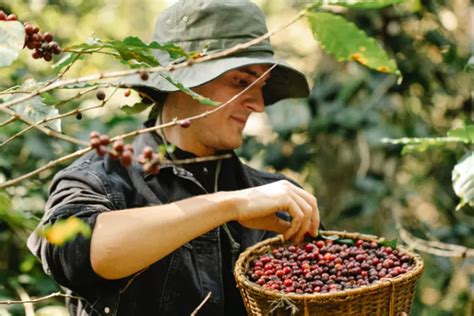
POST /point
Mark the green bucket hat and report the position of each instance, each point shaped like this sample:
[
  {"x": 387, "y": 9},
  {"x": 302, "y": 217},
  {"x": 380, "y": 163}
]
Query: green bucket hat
[{"x": 210, "y": 26}]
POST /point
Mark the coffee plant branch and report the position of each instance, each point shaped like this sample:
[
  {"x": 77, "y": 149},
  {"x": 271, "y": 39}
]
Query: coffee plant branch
[
  {"x": 115, "y": 74},
  {"x": 433, "y": 247},
  {"x": 52, "y": 118},
  {"x": 48, "y": 131},
  {"x": 174, "y": 122},
  {"x": 38, "y": 299}
]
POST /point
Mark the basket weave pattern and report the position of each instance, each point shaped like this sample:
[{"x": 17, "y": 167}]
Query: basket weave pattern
[{"x": 386, "y": 297}]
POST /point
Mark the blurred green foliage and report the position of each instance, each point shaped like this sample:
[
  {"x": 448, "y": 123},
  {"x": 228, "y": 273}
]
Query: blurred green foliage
[{"x": 331, "y": 143}]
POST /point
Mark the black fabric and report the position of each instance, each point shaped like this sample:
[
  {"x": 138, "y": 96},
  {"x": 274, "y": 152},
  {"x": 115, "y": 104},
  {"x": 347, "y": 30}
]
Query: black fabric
[{"x": 228, "y": 180}]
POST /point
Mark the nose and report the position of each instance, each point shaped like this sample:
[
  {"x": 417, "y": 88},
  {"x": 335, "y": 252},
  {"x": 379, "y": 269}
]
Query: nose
[{"x": 254, "y": 100}]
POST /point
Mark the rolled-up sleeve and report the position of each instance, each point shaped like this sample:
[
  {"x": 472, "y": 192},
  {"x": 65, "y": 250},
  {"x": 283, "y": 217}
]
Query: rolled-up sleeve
[{"x": 80, "y": 193}]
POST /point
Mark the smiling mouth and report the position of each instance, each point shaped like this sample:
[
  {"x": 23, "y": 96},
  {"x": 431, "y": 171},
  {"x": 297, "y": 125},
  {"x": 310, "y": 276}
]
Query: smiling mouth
[{"x": 239, "y": 120}]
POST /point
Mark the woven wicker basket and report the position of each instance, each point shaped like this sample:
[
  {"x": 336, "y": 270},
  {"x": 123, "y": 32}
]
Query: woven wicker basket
[{"x": 386, "y": 297}]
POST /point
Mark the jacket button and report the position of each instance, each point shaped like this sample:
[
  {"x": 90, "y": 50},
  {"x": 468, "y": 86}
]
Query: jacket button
[{"x": 106, "y": 310}]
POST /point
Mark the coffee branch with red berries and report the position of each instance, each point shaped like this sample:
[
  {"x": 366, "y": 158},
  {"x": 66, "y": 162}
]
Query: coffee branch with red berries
[{"x": 42, "y": 44}]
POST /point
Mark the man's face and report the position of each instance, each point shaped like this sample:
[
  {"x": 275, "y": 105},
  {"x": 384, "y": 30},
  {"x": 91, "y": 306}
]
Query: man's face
[{"x": 221, "y": 130}]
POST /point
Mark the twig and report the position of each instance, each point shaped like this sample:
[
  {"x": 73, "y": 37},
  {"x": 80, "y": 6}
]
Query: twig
[
  {"x": 39, "y": 299},
  {"x": 434, "y": 247},
  {"x": 115, "y": 74},
  {"x": 45, "y": 167},
  {"x": 45, "y": 130},
  {"x": 8, "y": 121},
  {"x": 52, "y": 118},
  {"x": 194, "y": 313}
]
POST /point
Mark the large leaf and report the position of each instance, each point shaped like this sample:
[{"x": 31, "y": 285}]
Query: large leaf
[
  {"x": 463, "y": 180},
  {"x": 12, "y": 39},
  {"x": 35, "y": 109},
  {"x": 345, "y": 41},
  {"x": 361, "y": 4}
]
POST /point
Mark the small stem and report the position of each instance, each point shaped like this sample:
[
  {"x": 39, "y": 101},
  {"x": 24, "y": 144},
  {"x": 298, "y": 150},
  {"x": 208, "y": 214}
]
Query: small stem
[
  {"x": 10, "y": 120},
  {"x": 194, "y": 313}
]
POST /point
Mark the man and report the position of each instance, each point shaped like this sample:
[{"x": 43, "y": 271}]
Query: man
[{"x": 161, "y": 243}]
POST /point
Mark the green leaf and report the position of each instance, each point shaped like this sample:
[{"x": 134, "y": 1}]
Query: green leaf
[
  {"x": 12, "y": 39},
  {"x": 67, "y": 60},
  {"x": 363, "y": 4},
  {"x": 49, "y": 99},
  {"x": 466, "y": 133},
  {"x": 35, "y": 109},
  {"x": 346, "y": 42},
  {"x": 134, "y": 109},
  {"x": 132, "y": 51},
  {"x": 65, "y": 230},
  {"x": 191, "y": 93},
  {"x": 388, "y": 243},
  {"x": 463, "y": 180},
  {"x": 5, "y": 203}
]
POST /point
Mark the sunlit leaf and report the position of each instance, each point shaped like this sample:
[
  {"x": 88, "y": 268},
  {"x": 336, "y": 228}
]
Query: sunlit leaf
[
  {"x": 421, "y": 144},
  {"x": 463, "y": 180},
  {"x": 392, "y": 243},
  {"x": 346, "y": 42},
  {"x": 12, "y": 39},
  {"x": 65, "y": 230},
  {"x": 67, "y": 60},
  {"x": 191, "y": 93}
]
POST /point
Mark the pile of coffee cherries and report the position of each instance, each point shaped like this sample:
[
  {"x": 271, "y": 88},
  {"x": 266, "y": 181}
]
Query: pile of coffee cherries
[{"x": 326, "y": 265}]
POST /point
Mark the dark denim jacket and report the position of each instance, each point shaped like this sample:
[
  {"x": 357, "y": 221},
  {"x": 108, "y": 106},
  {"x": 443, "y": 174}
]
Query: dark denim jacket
[{"x": 174, "y": 285}]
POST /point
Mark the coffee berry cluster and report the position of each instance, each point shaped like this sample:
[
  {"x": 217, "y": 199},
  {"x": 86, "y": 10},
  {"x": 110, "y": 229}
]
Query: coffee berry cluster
[
  {"x": 121, "y": 151},
  {"x": 42, "y": 45},
  {"x": 324, "y": 266},
  {"x": 149, "y": 159}
]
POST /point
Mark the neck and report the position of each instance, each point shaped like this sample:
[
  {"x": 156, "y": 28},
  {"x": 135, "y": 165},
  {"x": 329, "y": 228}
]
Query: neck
[{"x": 183, "y": 138}]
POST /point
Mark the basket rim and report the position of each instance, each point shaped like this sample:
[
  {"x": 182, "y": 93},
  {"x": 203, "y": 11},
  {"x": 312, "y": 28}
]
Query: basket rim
[{"x": 242, "y": 280}]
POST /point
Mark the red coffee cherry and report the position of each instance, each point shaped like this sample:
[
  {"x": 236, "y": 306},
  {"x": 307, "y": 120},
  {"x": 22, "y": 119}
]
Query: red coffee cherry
[{"x": 185, "y": 123}]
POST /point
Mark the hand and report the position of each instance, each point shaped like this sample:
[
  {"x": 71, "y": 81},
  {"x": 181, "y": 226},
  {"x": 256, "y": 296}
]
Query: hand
[{"x": 257, "y": 209}]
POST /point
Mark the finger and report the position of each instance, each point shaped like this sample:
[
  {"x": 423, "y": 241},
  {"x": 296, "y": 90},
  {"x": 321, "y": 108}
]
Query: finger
[
  {"x": 296, "y": 218},
  {"x": 315, "y": 220},
  {"x": 278, "y": 225},
  {"x": 307, "y": 213},
  {"x": 315, "y": 217}
]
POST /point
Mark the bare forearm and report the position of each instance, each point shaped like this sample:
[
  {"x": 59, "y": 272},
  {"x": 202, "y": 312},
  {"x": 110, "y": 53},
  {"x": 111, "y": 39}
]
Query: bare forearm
[{"x": 124, "y": 242}]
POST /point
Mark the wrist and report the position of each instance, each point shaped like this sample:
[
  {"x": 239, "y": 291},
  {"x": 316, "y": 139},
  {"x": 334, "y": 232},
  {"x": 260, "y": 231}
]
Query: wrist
[{"x": 232, "y": 204}]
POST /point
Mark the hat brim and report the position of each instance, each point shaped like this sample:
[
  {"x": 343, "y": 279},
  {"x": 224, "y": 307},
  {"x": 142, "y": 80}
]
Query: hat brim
[{"x": 284, "y": 82}]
